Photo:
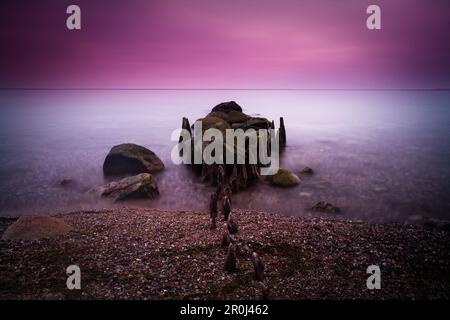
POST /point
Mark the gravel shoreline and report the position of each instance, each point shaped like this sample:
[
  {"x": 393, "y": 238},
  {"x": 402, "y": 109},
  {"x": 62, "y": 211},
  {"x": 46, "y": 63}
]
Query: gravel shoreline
[{"x": 131, "y": 253}]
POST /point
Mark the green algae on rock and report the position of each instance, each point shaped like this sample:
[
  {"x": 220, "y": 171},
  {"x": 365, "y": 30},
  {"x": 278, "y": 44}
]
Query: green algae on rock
[
  {"x": 284, "y": 178},
  {"x": 143, "y": 185}
]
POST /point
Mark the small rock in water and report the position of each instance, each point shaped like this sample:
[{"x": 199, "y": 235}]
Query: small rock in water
[
  {"x": 307, "y": 170},
  {"x": 66, "y": 182},
  {"x": 327, "y": 207},
  {"x": 284, "y": 178}
]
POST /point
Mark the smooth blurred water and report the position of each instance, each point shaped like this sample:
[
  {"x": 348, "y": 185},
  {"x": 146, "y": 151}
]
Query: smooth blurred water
[{"x": 379, "y": 156}]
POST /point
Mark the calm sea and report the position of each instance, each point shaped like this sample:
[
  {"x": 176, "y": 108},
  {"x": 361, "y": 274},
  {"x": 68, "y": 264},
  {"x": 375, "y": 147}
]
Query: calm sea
[{"x": 379, "y": 156}]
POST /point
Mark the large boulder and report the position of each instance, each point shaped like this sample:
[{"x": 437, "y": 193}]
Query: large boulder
[
  {"x": 230, "y": 117},
  {"x": 131, "y": 158},
  {"x": 218, "y": 114},
  {"x": 143, "y": 185},
  {"x": 237, "y": 117},
  {"x": 227, "y": 107},
  {"x": 257, "y": 123},
  {"x": 31, "y": 227},
  {"x": 284, "y": 178},
  {"x": 214, "y": 122}
]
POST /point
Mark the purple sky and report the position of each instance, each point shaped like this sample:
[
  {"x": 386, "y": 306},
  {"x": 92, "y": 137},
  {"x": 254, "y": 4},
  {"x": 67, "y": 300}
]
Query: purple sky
[{"x": 225, "y": 44}]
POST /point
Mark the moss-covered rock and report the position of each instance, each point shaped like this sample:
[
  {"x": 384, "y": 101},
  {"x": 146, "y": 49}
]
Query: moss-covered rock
[
  {"x": 214, "y": 122},
  {"x": 236, "y": 117},
  {"x": 141, "y": 186},
  {"x": 284, "y": 178},
  {"x": 218, "y": 114},
  {"x": 231, "y": 117},
  {"x": 257, "y": 123}
]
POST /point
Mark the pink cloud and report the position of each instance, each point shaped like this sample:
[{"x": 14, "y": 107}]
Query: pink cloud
[{"x": 237, "y": 43}]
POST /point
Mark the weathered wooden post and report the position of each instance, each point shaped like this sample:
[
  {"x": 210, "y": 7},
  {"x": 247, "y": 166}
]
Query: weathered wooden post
[
  {"x": 231, "y": 225},
  {"x": 230, "y": 260},
  {"x": 258, "y": 265},
  {"x": 213, "y": 210},
  {"x": 226, "y": 239},
  {"x": 282, "y": 133}
]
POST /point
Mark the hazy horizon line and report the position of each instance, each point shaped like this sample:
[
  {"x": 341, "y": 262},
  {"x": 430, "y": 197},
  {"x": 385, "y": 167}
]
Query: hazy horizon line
[{"x": 213, "y": 89}]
